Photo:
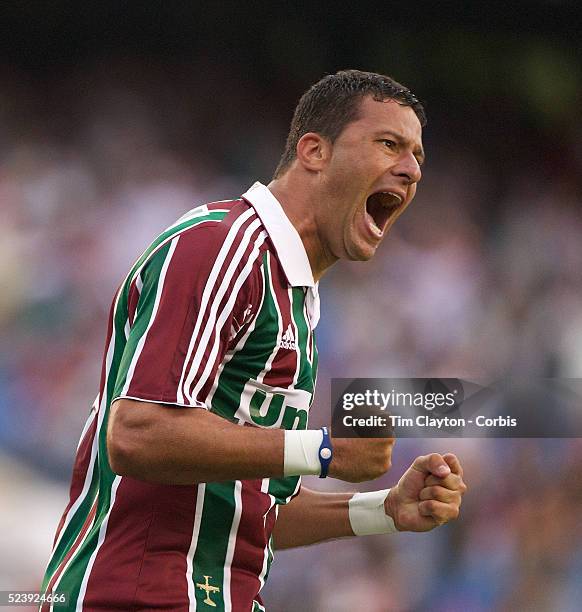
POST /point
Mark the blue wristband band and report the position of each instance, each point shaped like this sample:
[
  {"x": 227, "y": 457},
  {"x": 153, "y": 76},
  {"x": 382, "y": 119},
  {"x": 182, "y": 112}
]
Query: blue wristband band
[{"x": 325, "y": 453}]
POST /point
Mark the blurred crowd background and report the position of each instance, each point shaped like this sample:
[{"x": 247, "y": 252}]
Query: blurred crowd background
[{"x": 117, "y": 118}]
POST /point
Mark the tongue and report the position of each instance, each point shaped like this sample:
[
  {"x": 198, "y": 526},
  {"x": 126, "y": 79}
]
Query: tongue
[{"x": 372, "y": 223}]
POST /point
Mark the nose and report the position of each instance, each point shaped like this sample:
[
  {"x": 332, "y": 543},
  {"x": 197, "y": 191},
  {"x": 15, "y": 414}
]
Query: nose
[{"x": 408, "y": 167}]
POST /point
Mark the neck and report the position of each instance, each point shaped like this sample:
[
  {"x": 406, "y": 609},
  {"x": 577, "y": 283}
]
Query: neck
[{"x": 299, "y": 201}]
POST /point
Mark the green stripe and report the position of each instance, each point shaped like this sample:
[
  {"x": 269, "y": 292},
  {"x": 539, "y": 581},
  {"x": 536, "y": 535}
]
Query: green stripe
[
  {"x": 305, "y": 379},
  {"x": 212, "y": 544},
  {"x": 150, "y": 275},
  {"x": 282, "y": 488}
]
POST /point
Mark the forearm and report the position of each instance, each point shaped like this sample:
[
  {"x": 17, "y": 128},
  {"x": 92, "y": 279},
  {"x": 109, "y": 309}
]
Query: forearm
[
  {"x": 178, "y": 445},
  {"x": 159, "y": 443},
  {"x": 311, "y": 517}
]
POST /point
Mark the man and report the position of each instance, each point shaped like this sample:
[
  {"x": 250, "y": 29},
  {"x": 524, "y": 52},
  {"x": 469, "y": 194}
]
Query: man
[{"x": 188, "y": 470}]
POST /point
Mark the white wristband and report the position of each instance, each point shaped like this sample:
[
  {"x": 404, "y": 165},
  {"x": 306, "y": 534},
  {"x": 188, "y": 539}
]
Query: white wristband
[
  {"x": 367, "y": 514},
  {"x": 302, "y": 452}
]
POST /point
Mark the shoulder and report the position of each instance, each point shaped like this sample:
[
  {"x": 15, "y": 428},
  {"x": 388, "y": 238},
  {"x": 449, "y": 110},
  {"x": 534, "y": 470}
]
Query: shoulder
[
  {"x": 225, "y": 225},
  {"x": 207, "y": 232},
  {"x": 223, "y": 242}
]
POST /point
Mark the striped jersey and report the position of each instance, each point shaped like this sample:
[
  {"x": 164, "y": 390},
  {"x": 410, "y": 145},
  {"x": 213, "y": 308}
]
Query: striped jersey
[{"x": 218, "y": 313}]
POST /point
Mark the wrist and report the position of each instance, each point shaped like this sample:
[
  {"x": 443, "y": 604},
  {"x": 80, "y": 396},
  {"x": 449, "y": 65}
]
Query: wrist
[
  {"x": 368, "y": 513},
  {"x": 389, "y": 503},
  {"x": 325, "y": 453},
  {"x": 301, "y": 453}
]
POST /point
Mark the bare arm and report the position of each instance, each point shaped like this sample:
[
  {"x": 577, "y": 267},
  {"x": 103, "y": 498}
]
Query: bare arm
[
  {"x": 173, "y": 445},
  {"x": 311, "y": 517}
]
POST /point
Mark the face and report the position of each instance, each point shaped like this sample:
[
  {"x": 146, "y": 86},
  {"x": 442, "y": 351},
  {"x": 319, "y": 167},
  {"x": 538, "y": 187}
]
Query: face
[{"x": 370, "y": 179}]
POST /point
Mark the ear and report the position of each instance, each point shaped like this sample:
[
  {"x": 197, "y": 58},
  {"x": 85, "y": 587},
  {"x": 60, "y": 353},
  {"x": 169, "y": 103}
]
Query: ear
[{"x": 313, "y": 151}]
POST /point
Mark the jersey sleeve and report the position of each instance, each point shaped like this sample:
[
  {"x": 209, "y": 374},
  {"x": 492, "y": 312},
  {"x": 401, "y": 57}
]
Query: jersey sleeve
[{"x": 190, "y": 301}]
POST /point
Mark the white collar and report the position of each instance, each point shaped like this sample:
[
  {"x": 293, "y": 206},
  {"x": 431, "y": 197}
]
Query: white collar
[{"x": 285, "y": 238}]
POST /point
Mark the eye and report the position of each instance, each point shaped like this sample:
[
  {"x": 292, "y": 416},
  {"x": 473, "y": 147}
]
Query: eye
[{"x": 389, "y": 143}]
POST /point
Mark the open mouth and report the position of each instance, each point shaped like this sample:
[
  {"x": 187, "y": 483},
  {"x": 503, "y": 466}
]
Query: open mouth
[{"x": 380, "y": 207}]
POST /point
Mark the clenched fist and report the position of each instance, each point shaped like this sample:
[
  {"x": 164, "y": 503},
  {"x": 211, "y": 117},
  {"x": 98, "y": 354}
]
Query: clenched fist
[{"x": 428, "y": 494}]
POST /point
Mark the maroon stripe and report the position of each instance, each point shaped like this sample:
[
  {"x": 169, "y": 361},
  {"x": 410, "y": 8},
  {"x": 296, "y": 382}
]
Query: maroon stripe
[
  {"x": 142, "y": 561},
  {"x": 71, "y": 551},
  {"x": 132, "y": 300},
  {"x": 252, "y": 538},
  {"x": 285, "y": 361}
]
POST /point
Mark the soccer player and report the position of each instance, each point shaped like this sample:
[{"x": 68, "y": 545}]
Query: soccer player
[{"x": 187, "y": 475}]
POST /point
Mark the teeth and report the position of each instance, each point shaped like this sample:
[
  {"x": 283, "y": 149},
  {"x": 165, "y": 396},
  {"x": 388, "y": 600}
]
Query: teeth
[{"x": 393, "y": 195}]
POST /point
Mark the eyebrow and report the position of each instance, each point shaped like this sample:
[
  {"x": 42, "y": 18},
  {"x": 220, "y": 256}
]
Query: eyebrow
[{"x": 419, "y": 153}]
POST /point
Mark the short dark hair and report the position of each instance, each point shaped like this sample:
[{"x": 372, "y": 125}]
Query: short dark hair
[{"x": 334, "y": 101}]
